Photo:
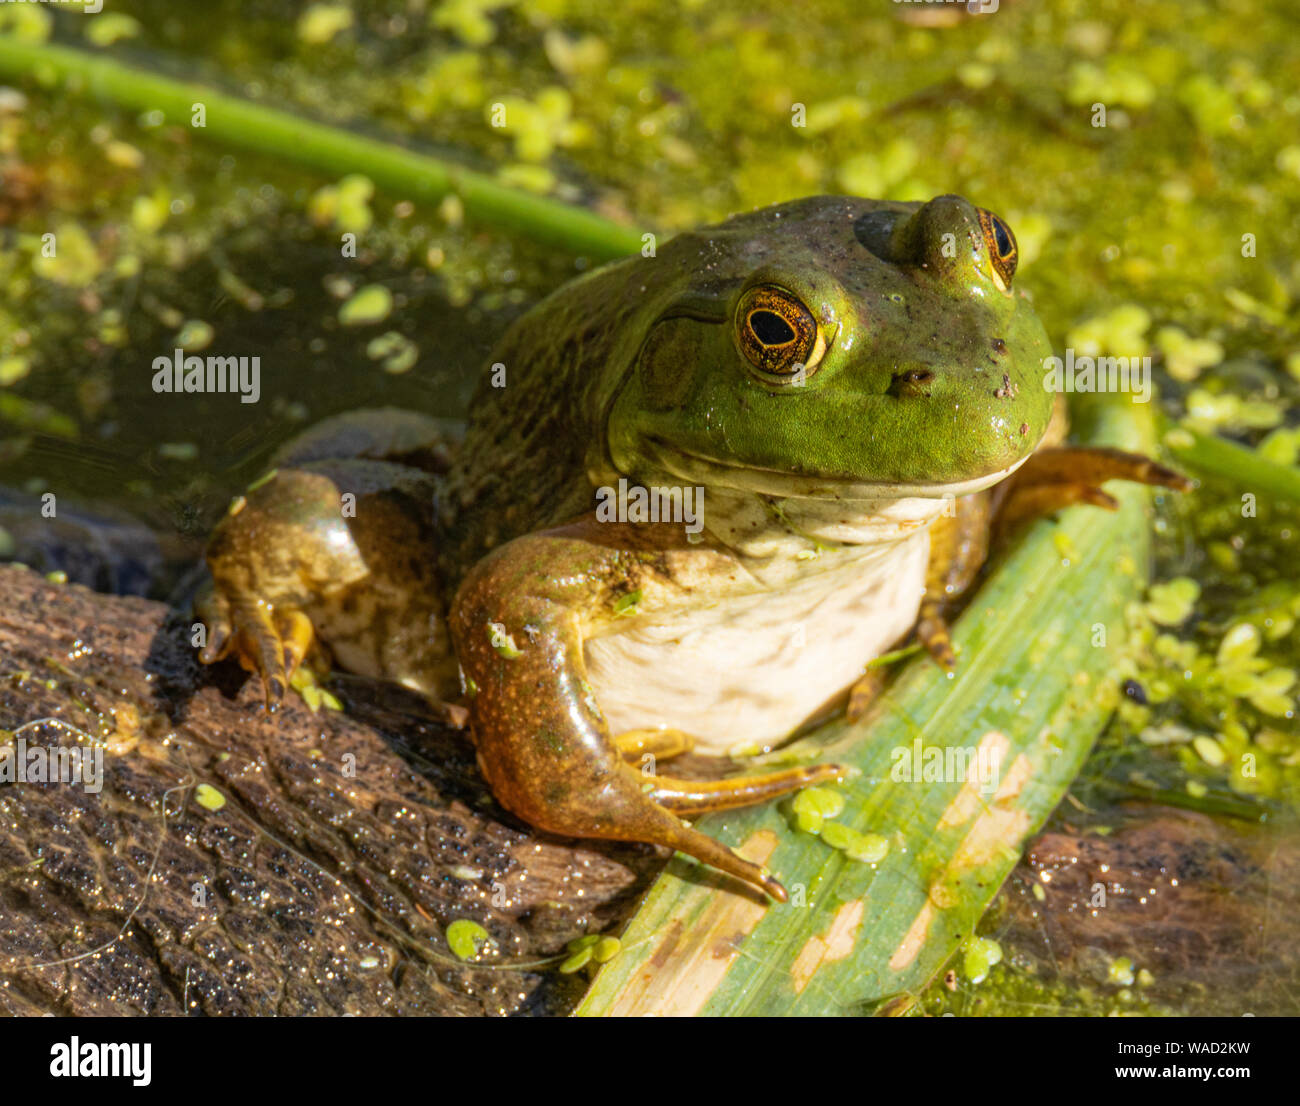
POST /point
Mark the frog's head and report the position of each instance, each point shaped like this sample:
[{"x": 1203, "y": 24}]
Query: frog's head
[{"x": 837, "y": 347}]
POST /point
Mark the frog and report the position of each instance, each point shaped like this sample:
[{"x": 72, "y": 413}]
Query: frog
[{"x": 832, "y": 405}]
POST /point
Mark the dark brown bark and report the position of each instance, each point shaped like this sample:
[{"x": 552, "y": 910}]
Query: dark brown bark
[
  {"x": 347, "y": 842},
  {"x": 1209, "y": 906}
]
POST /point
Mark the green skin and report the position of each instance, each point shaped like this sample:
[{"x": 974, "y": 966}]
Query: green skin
[{"x": 924, "y": 377}]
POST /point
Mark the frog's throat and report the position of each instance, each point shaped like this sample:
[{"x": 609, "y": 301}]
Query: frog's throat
[{"x": 691, "y": 468}]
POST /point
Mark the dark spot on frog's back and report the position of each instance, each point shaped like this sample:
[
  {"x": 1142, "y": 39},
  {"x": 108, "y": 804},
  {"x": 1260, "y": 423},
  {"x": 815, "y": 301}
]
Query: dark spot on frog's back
[{"x": 999, "y": 347}]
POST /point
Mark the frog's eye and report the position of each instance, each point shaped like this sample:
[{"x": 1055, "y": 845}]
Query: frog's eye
[
  {"x": 777, "y": 334},
  {"x": 1001, "y": 244}
]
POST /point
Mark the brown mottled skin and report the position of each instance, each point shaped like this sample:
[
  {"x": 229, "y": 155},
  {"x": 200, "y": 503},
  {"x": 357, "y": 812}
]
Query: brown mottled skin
[
  {"x": 571, "y": 772},
  {"x": 822, "y": 354}
]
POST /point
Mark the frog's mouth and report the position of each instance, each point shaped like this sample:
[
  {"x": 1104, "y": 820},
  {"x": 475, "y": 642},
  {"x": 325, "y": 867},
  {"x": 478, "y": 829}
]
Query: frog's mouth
[{"x": 695, "y": 468}]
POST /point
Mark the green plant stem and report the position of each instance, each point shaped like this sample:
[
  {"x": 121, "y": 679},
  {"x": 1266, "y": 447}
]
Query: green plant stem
[
  {"x": 326, "y": 149},
  {"x": 1214, "y": 456}
]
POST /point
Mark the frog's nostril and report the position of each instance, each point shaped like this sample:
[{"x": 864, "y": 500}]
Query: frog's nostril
[{"x": 913, "y": 382}]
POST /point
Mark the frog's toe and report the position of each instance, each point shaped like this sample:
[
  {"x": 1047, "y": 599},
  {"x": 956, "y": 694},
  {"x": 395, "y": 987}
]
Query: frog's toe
[
  {"x": 1056, "y": 478},
  {"x": 260, "y": 649},
  {"x": 213, "y": 612},
  {"x": 297, "y": 636},
  {"x": 1093, "y": 466},
  {"x": 271, "y": 642},
  {"x": 660, "y": 742},
  {"x": 691, "y": 798}
]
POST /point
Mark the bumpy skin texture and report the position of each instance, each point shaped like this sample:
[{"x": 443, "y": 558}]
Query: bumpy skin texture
[
  {"x": 623, "y": 371},
  {"x": 813, "y": 361}
]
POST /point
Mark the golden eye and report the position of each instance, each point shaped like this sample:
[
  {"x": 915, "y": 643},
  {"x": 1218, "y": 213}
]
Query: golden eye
[
  {"x": 1001, "y": 244},
  {"x": 777, "y": 333}
]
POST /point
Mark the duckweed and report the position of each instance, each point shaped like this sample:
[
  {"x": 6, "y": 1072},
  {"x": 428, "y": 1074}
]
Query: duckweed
[
  {"x": 815, "y": 817},
  {"x": 591, "y": 948},
  {"x": 819, "y": 800},
  {"x": 808, "y": 821},
  {"x": 1121, "y": 972},
  {"x": 13, "y": 369},
  {"x": 577, "y": 960},
  {"x": 867, "y": 848},
  {"x": 1118, "y": 333},
  {"x": 371, "y": 305},
  {"x": 1171, "y": 603},
  {"x": 209, "y": 797},
  {"x": 467, "y": 939},
  {"x": 979, "y": 957},
  {"x": 502, "y": 642},
  {"x": 396, "y": 352},
  {"x": 1209, "y": 751},
  {"x": 345, "y": 205},
  {"x": 836, "y": 835},
  {"x": 111, "y": 27},
  {"x": 322, "y": 22},
  {"x": 195, "y": 335},
  {"x": 626, "y": 605},
  {"x": 1185, "y": 356}
]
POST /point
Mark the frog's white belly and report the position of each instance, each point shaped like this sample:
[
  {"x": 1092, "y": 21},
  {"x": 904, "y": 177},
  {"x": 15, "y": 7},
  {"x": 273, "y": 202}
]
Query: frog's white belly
[{"x": 751, "y": 667}]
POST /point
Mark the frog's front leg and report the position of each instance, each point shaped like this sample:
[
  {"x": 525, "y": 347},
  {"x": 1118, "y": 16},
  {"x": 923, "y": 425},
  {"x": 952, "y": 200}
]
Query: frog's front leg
[
  {"x": 519, "y": 621},
  {"x": 1053, "y": 478},
  {"x": 341, "y": 552}
]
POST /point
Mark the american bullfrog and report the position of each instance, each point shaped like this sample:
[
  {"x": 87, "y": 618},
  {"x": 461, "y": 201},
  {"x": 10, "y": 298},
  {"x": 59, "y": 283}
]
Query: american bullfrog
[{"x": 697, "y": 493}]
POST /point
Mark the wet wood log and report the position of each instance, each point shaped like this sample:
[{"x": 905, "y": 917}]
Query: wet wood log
[
  {"x": 1209, "y": 907},
  {"x": 236, "y": 862}
]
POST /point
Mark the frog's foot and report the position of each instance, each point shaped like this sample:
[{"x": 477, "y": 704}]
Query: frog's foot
[
  {"x": 661, "y": 827},
  {"x": 269, "y": 641},
  {"x": 690, "y": 798},
  {"x": 337, "y": 556},
  {"x": 1055, "y": 478},
  {"x": 660, "y": 743},
  {"x": 627, "y": 806}
]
